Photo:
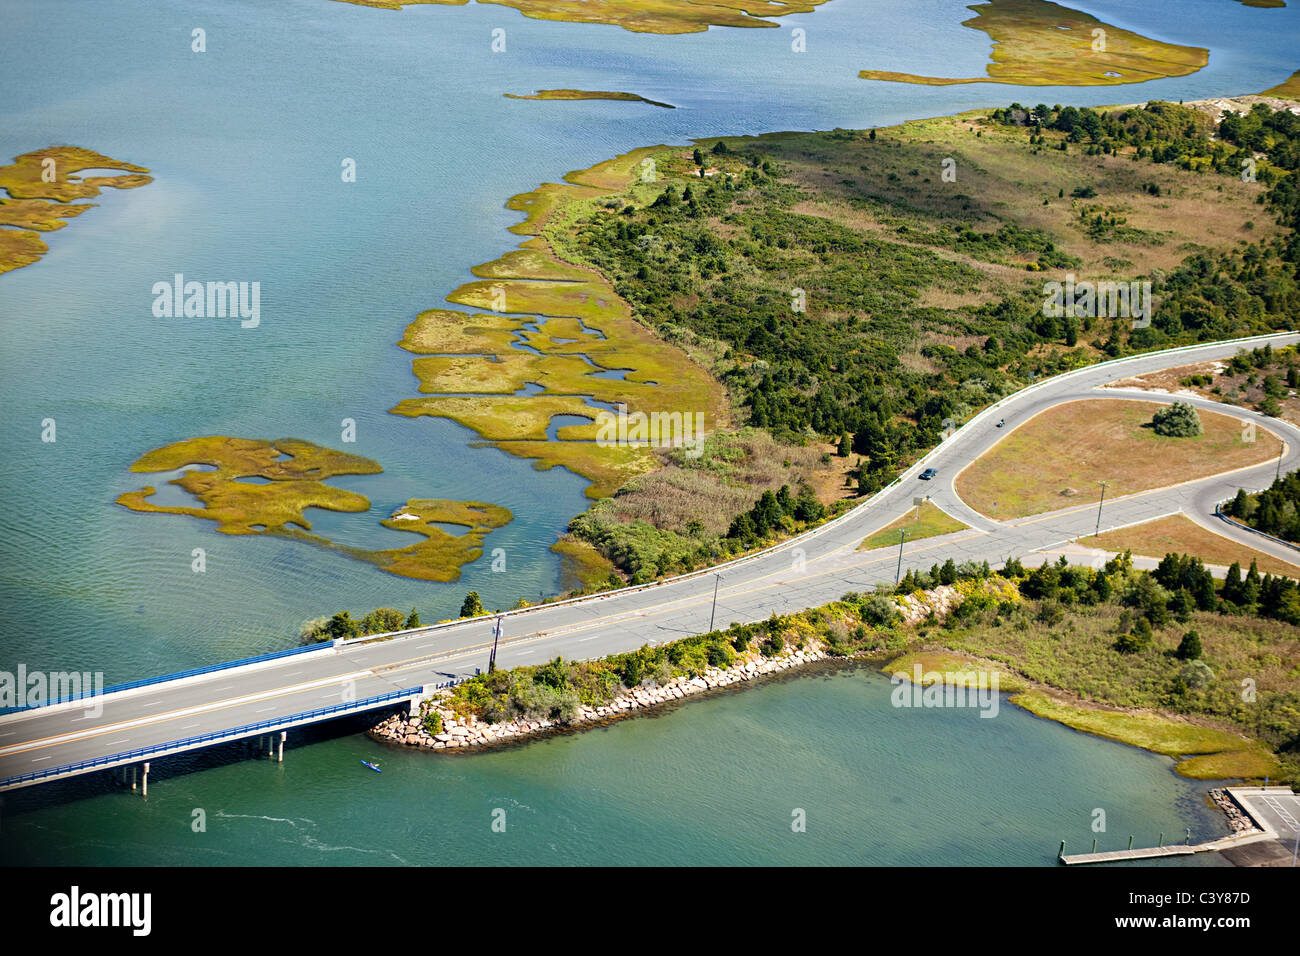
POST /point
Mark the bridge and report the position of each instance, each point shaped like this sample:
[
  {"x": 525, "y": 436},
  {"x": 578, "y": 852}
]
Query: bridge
[{"x": 267, "y": 696}]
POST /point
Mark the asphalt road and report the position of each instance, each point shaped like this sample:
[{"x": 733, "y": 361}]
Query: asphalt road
[{"x": 808, "y": 571}]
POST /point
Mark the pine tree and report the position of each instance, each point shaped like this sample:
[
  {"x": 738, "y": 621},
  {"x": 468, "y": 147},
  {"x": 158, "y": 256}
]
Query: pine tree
[
  {"x": 1250, "y": 587},
  {"x": 1239, "y": 507},
  {"x": 472, "y": 606},
  {"x": 948, "y": 573},
  {"x": 341, "y": 627},
  {"x": 1232, "y": 588},
  {"x": 413, "y": 619}
]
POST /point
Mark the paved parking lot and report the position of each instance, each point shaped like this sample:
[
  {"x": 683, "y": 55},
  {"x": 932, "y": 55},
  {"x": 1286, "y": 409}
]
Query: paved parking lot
[{"x": 1276, "y": 806}]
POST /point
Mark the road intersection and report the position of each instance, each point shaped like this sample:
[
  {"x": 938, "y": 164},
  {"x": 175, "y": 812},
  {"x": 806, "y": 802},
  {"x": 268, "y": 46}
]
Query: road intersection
[{"x": 812, "y": 569}]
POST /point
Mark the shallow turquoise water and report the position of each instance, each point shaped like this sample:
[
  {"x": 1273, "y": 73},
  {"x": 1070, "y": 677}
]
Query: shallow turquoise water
[
  {"x": 714, "y": 781},
  {"x": 245, "y": 142}
]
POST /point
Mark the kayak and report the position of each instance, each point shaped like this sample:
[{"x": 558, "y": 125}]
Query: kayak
[{"x": 372, "y": 766}]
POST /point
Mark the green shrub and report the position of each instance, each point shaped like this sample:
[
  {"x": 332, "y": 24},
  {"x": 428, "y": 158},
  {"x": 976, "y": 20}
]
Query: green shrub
[
  {"x": 1179, "y": 420},
  {"x": 472, "y": 606},
  {"x": 1189, "y": 648},
  {"x": 879, "y": 610},
  {"x": 432, "y": 722}
]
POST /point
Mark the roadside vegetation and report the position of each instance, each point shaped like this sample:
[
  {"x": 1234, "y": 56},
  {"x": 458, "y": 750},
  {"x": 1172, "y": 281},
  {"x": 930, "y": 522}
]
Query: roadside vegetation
[
  {"x": 1179, "y": 533},
  {"x": 927, "y": 521},
  {"x": 343, "y": 625},
  {"x": 1264, "y": 379},
  {"x": 748, "y": 253},
  {"x": 1275, "y": 510},
  {"x": 697, "y": 510},
  {"x": 1167, "y": 660}
]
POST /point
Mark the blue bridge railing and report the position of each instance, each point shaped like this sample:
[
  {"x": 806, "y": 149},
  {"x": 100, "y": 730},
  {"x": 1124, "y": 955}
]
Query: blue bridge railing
[
  {"x": 193, "y": 672},
  {"x": 244, "y": 730}
]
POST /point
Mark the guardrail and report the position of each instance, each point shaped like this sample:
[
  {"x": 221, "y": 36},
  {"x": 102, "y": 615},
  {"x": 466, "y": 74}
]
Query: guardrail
[
  {"x": 192, "y": 672},
  {"x": 232, "y": 733},
  {"x": 716, "y": 569},
  {"x": 1220, "y": 513}
]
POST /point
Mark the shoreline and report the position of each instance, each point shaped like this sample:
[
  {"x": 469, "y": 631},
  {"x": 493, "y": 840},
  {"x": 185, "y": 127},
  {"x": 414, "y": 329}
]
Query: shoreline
[{"x": 475, "y": 735}]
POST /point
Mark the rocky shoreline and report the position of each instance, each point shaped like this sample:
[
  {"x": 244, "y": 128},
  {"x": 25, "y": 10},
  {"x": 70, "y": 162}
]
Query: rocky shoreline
[
  {"x": 1238, "y": 820},
  {"x": 459, "y": 735}
]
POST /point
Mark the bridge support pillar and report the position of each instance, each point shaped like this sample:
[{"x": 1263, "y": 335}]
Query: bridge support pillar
[
  {"x": 134, "y": 774},
  {"x": 144, "y": 789},
  {"x": 283, "y": 734},
  {"x": 416, "y": 701}
]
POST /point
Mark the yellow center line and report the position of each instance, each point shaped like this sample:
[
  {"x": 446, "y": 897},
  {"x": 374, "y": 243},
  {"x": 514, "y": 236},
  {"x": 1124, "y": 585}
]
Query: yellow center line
[{"x": 424, "y": 660}]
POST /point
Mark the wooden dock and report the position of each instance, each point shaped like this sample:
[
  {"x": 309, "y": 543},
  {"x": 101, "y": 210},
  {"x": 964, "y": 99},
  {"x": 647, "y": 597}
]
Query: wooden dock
[
  {"x": 1262, "y": 831},
  {"x": 1115, "y": 856}
]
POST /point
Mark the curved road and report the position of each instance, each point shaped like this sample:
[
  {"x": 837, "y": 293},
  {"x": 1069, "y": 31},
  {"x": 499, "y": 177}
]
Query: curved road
[{"x": 808, "y": 571}]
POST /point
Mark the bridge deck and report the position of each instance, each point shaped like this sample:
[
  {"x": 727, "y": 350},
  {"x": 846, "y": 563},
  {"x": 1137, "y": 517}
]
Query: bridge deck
[{"x": 816, "y": 568}]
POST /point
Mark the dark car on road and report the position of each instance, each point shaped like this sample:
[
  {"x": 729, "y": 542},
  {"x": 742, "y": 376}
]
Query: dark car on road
[{"x": 927, "y": 474}]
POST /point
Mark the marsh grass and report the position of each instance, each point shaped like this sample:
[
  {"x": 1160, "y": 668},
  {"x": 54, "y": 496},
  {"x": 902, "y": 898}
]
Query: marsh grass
[
  {"x": 587, "y": 95},
  {"x": 34, "y": 205},
  {"x": 638, "y": 16},
  {"x": 296, "y": 473},
  {"x": 1038, "y": 43}
]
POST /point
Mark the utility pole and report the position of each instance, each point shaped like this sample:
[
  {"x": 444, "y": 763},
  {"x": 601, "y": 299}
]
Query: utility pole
[
  {"x": 898, "y": 575},
  {"x": 1280, "y": 453},
  {"x": 496, "y": 636},
  {"x": 1100, "y": 503},
  {"x": 717, "y": 579}
]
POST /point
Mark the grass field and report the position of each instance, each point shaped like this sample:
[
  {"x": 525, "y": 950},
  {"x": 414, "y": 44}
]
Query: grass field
[
  {"x": 1219, "y": 754},
  {"x": 1180, "y": 534},
  {"x": 932, "y": 522},
  {"x": 582, "y": 566},
  {"x": 1069, "y": 670},
  {"x": 1037, "y": 468}
]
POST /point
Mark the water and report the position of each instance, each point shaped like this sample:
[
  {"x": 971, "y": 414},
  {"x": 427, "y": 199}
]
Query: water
[
  {"x": 246, "y": 143},
  {"x": 715, "y": 781}
]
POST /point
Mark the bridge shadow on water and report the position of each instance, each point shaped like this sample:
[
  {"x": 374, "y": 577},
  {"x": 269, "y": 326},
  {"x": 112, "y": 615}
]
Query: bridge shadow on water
[{"x": 161, "y": 769}]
